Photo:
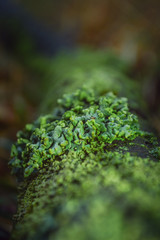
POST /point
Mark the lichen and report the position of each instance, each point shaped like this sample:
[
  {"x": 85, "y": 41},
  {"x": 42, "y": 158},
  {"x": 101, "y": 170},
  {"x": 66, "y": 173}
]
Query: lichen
[{"x": 83, "y": 122}]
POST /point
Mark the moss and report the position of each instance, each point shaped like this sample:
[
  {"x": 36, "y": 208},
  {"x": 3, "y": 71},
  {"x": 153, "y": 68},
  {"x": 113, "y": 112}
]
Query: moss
[
  {"x": 82, "y": 177},
  {"x": 83, "y": 122},
  {"x": 87, "y": 170},
  {"x": 100, "y": 70},
  {"x": 110, "y": 195}
]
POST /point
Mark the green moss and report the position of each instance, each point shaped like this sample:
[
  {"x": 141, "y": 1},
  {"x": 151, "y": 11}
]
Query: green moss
[
  {"x": 100, "y": 70},
  {"x": 83, "y": 122},
  {"x": 87, "y": 171},
  {"x": 109, "y": 195}
]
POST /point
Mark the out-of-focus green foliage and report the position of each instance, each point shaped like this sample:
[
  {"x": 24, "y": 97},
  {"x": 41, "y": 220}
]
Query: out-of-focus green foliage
[{"x": 100, "y": 70}]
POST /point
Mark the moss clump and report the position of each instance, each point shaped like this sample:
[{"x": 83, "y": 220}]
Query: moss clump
[
  {"x": 82, "y": 122},
  {"x": 105, "y": 196}
]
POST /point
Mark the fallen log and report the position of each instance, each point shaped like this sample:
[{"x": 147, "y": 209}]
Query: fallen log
[{"x": 89, "y": 169}]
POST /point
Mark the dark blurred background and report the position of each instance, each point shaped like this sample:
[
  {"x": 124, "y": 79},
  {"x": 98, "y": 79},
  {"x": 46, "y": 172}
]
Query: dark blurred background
[{"x": 40, "y": 29}]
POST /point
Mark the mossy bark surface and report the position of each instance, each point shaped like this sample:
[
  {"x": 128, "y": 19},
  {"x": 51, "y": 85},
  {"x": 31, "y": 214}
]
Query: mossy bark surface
[{"x": 90, "y": 168}]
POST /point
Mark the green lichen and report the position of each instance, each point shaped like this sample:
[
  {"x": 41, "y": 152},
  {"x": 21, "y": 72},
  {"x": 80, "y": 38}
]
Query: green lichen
[{"x": 83, "y": 123}]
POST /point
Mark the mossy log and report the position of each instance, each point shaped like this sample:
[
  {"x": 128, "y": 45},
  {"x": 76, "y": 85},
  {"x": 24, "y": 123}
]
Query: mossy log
[{"x": 90, "y": 168}]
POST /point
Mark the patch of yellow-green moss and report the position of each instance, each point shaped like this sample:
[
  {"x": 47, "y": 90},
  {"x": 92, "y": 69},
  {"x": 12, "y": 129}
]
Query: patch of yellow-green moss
[{"x": 110, "y": 195}]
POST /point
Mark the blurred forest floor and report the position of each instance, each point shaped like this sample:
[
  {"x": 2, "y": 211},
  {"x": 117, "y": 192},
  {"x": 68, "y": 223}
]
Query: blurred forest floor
[{"x": 130, "y": 28}]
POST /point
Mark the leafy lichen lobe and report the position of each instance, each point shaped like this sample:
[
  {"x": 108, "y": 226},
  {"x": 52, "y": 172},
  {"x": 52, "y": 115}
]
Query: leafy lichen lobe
[{"x": 83, "y": 122}]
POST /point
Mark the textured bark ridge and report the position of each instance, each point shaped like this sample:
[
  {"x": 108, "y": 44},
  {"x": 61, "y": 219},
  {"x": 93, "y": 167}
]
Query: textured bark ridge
[{"x": 88, "y": 170}]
